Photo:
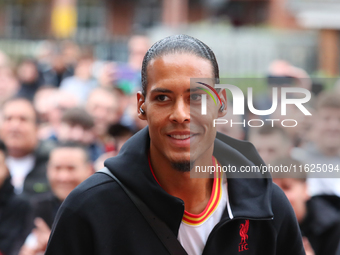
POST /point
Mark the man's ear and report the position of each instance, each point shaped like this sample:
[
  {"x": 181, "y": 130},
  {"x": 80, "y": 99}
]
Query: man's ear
[
  {"x": 141, "y": 106},
  {"x": 223, "y": 108}
]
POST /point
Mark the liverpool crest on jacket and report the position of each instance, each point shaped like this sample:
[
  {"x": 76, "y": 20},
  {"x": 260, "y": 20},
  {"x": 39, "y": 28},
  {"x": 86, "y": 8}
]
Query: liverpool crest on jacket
[{"x": 243, "y": 246}]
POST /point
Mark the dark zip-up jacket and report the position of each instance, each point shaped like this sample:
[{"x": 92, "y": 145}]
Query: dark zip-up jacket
[
  {"x": 99, "y": 218},
  {"x": 14, "y": 216}
]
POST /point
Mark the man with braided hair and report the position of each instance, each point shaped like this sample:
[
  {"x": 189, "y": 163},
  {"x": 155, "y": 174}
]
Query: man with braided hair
[{"x": 145, "y": 201}]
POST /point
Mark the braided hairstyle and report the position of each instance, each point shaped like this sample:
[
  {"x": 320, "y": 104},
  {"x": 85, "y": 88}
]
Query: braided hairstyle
[{"x": 178, "y": 44}]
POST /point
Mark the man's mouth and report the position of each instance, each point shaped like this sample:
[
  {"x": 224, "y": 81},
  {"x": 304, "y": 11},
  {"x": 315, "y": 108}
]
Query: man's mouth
[{"x": 181, "y": 137}]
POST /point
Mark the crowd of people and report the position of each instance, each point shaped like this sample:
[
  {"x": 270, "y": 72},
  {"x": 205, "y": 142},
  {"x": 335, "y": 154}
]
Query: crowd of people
[{"x": 63, "y": 113}]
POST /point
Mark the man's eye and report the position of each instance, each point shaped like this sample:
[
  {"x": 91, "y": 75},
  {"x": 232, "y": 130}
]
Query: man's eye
[
  {"x": 162, "y": 98},
  {"x": 195, "y": 97}
]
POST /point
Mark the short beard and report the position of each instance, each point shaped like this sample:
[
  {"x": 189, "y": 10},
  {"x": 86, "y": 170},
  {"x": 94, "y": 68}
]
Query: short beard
[{"x": 183, "y": 166}]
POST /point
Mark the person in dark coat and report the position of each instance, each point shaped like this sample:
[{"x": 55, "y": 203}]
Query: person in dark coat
[
  {"x": 240, "y": 214},
  {"x": 27, "y": 156},
  {"x": 68, "y": 166},
  {"x": 319, "y": 221},
  {"x": 14, "y": 212}
]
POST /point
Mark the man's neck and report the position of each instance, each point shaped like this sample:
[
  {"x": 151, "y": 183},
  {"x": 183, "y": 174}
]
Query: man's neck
[
  {"x": 19, "y": 154},
  {"x": 195, "y": 192}
]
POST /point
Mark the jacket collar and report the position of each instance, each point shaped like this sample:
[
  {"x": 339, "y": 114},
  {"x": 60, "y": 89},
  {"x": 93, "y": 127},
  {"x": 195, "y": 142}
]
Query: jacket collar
[{"x": 249, "y": 198}]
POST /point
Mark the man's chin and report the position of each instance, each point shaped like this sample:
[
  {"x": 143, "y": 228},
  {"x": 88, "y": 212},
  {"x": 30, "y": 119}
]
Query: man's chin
[{"x": 183, "y": 166}]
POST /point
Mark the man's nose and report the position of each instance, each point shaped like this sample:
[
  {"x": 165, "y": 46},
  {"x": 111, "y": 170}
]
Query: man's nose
[
  {"x": 180, "y": 112},
  {"x": 14, "y": 123},
  {"x": 63, "y": 175}
]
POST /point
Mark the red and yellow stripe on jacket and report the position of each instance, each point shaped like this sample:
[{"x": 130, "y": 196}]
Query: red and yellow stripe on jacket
[{"x": 216, "y": 194}]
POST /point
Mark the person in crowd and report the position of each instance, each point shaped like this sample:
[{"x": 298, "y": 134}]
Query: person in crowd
[
  {"x": 120, "y": 135},
  {"x": 27, "y": 156},
  {"x": 106, "y": 74},
  {"x": 82, "y": 83},
  {"x": 56, "y": 61},
  {"x": 103, "y": 105},
  {"x": 51, "y": 104},
  {"x": 9, "y": 85},
  {"x": 72, "y": 53},
  {"x": 270, "y": 142},
  {"x": 44, "y": 53},
  {"x": 14, "y": 211},
  {"x": 319, "y": 222},
  {"x": 77, "y": 125},
  {"x": 324, "y": 148},
  {"x": 128, "y": 74},
  {"x": 138, "y": 46},
  {"x": 29, "y": 77},
  {"x": 180, "y": 215},
  {"x": 43, "y": 102},
  {"x": 56, "y": 71},
  {"x": 69, "y": 165}
]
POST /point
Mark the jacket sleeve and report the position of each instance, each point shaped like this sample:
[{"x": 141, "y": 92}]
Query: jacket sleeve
[
  {"x": 71, "y": 234},
  {"x": 289, "y": 240}
]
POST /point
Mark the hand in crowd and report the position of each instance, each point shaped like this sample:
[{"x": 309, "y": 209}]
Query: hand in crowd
[
  {"x": 308, "y": 248},
  {"x": 41, "y": 235}
]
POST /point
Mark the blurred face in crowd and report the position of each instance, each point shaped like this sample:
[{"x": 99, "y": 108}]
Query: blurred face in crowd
[
  {"x": 67, "y": 168},
  {"x": 108, "y": 75},
  {"x": 8, "y": 84},
  {"x": 270, "y": 146},
  {"x": 19, "y": 129},
  {"x": 27, "y": 72},
  {"x": 103, "y": 106},
  {"x": 296, "y": 192},
  {"x": 75, "y": 133},
  {"x": 326, "y": 130},
  {"x": 43, "y": 102},
  {"x": 70, "y": 52},
  {"x": 61, "y": 101},
  {"x": 138, "y": 46},
  {"x": 83, "y": 69},
  {"x": 58, "y": 63}
]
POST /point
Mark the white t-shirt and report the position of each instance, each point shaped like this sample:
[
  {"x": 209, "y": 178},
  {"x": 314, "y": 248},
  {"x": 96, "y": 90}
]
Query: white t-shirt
[
  {"x": 19, "y": 168},
  {"x": 195, "y": 229}
]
